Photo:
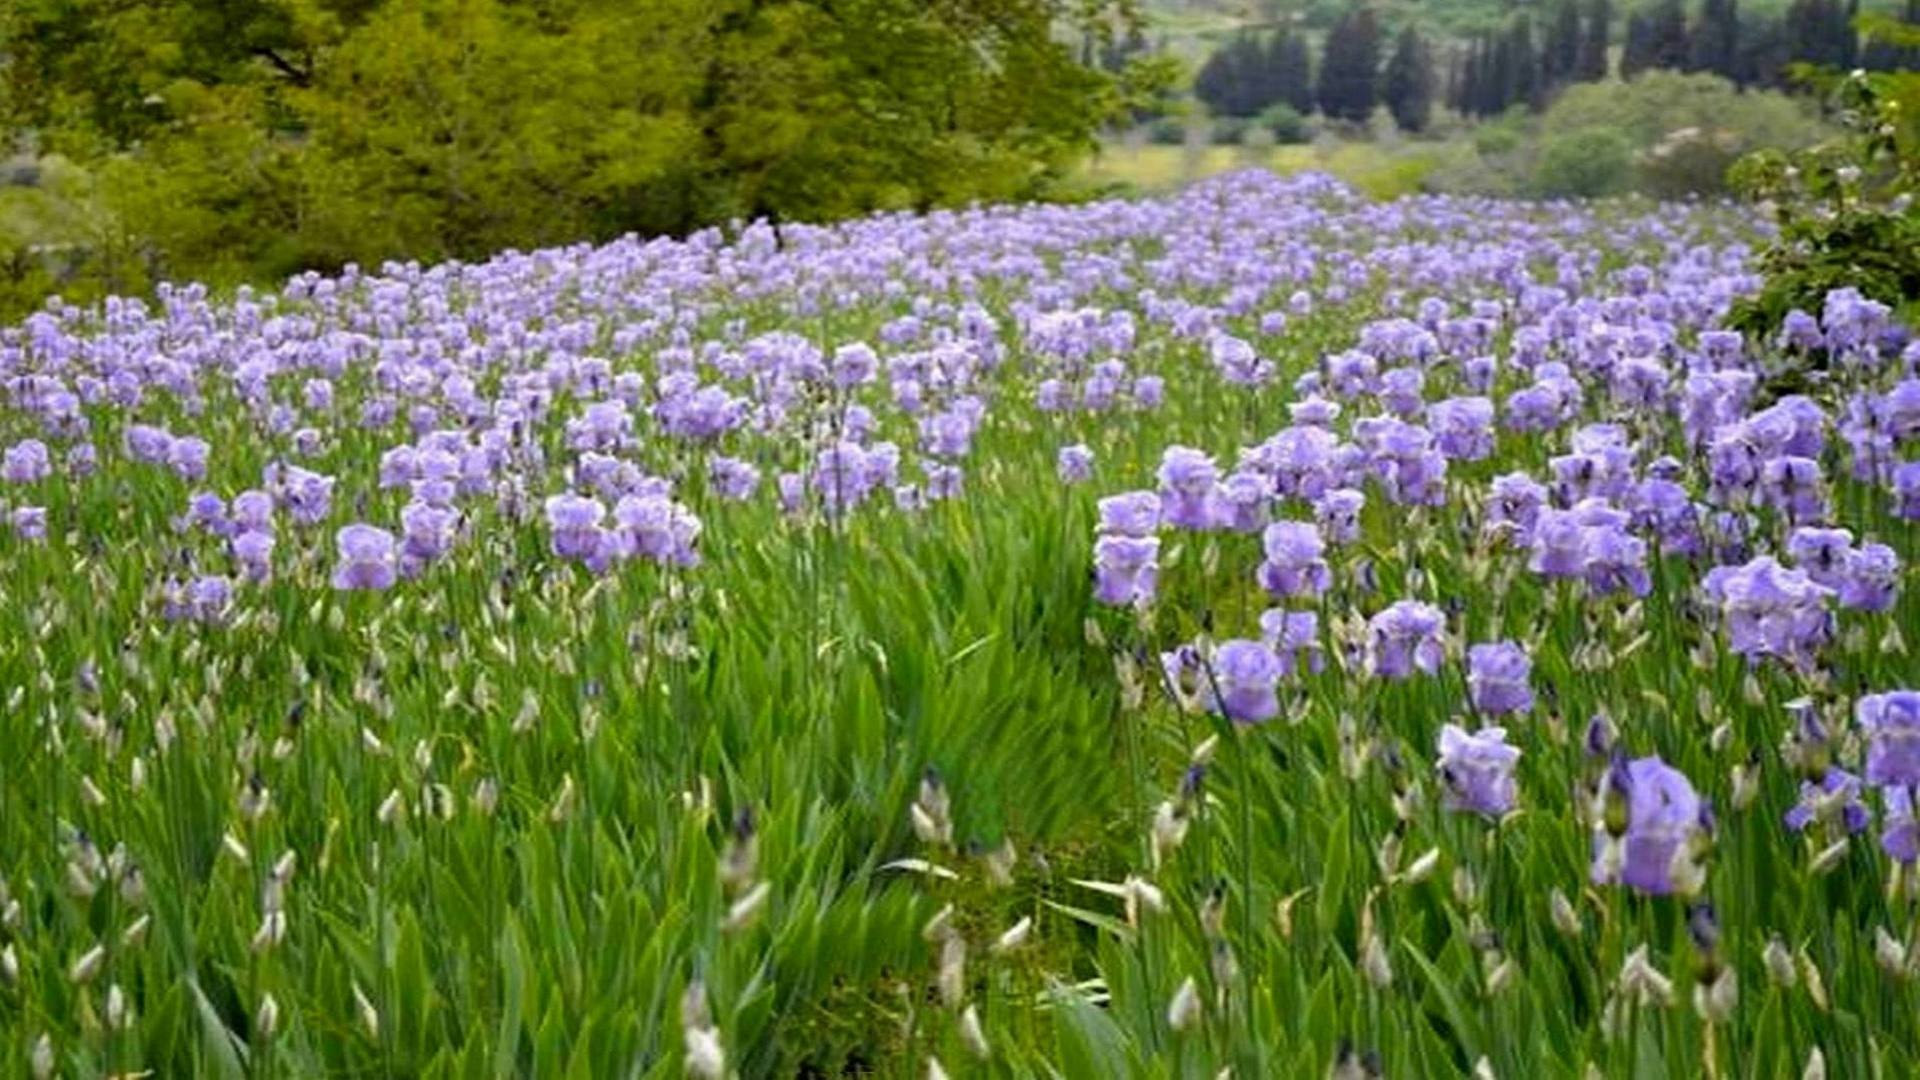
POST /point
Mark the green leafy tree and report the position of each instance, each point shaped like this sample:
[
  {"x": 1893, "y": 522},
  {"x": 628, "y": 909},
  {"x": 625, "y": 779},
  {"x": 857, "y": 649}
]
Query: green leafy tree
[{"x": 245, "y": 139}]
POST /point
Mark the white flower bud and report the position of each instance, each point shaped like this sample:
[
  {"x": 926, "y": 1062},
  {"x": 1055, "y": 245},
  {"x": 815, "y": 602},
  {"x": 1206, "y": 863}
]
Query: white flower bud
[
  {"x": 267, "y": 1020},
  {"x": 1779, "y": 962},
  {"x": 1015, "y": 936},
  {"x": 88, "y": 966},
  {"x": 1184, "y": 1011},
  {"x": 747, "y": 909},
  {"x": 972, "y": 1035},
  {"x": 952, "y": 977},
  {"x": 42, "y": 1059}
]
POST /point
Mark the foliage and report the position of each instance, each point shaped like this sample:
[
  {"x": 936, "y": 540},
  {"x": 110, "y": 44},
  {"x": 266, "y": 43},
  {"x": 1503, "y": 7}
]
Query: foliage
[
  {"x": 1649, "y": 107},
  {"x": 1586, "y": 162},
  {"x": 1350, "y": 68},
  {"x": 1848, "y": 210},
  {"x": 1409, "y": 82},
  {"x": 253, "y": 138},
  {"x": 1287, "y": 126}
]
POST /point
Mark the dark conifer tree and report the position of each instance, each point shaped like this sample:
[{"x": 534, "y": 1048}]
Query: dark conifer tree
[
  {"x": 1639, "y": 54},
  {"x": 1714, "y": 43},
  {"x": 1350, "y": 67},
  {"x": 1560, "y": 56},
  {"x": 1409, "y": 82},
  {"x": 1669, "y": 24},
  {"x": 1592, "y": 66}
]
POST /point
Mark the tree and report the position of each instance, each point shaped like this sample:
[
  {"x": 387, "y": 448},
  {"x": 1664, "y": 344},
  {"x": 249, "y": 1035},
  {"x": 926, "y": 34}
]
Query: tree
[
  {"x": 1560, "y": 58},
  {"x": 1882, "y": 54},
  {"x": 1639, "y": 54},
  {"x": 1292, "y": 64},
  {"x": 1350, "y": 67},
  {"x": 1668, "y": 22},
  {"x": 246, "y": 139},
  {"x": 1239, "y": 80},
  {"x": 1818, "y": 32},
  {"x": 1409, "y": 82},
  {"x": 1714, "y": 43},
  {"x": 1522, "y": 75},
  {"x": 1592, "y": 63},
  {"x": 1764, "y": 53}
]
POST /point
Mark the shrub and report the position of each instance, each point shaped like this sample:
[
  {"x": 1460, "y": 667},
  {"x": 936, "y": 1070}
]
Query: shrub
[
  {"x": 1287, "y": 126},
  {"x": 1167, "y": 131},
  {"x": 1589, "y": 162},
  {"x": 1847, "y": 209},
  {"x": 1226, "y": 130}
]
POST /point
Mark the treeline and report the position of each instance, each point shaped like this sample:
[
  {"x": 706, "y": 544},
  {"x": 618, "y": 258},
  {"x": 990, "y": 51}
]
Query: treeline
[
  {"x": 243, "y": 140},
  {"x": 1525, "y": 62}
]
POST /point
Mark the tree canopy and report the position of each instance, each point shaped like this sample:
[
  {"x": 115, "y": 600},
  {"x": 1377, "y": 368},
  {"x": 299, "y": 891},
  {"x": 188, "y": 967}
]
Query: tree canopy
[{"x": 247, "y": 138}]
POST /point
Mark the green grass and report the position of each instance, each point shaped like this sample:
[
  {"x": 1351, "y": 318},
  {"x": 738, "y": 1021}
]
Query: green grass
[{"x": 1154, "y": 168}]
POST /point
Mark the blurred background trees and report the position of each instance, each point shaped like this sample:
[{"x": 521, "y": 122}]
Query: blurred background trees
[{"x": 231, "y": 140}]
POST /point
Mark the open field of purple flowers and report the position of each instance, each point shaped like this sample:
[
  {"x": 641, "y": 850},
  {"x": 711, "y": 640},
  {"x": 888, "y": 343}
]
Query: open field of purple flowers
[{"x": 1256, "y": 633}]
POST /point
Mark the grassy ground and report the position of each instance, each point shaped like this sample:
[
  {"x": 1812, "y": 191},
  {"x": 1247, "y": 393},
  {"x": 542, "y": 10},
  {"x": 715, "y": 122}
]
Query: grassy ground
[{"x": 1151, "y": 167}]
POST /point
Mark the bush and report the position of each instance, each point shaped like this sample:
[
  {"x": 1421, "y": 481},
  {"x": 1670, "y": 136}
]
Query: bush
[
  {"x": 1226, "y": 130},
  {"x": 1847, "y": 210},
  {"x": 1588, "y": 163},
  {"x": 1288, "y": 127},
  {"x": 1167, "y": 131},
  {"x": 1690, "y": 161},
  {"x": 1687, "y": 128}
]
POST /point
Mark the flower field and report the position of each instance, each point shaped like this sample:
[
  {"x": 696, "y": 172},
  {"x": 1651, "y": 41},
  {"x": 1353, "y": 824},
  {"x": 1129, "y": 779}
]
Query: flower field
[{"x": 1257, "y": 632}]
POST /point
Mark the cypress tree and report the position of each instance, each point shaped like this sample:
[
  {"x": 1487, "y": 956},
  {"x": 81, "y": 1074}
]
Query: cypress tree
[
  {"x": 1561, "y": 56},
  {"x": 1714, "y": 43},
  {"x": 1638, "y": 55},
  {"x": 1669, "y": 25},
  {"x": 1213, "y": 83},
  {"x": 1524, "y": 85},
  {"x": 1592, "y": 66},
  {"x": 1849, "y": 37},
  {"x": 1292, "y": 69},
  {"x": 1764, "y": 53},
  {"x": 1350, "y": 67},
  {"x": 1409, "y": 82}
]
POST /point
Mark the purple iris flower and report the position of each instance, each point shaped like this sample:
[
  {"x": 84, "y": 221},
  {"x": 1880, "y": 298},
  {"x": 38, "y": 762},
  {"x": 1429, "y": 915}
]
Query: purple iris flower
[
  {"x": 732, "y": 479},
  {"x": 1187, "y": 477},
  {"x": 1477, "y": 769},
  {"x": 1294, "y": 636},
  {"x": 1462, "y": 427},
  {"x": 1899, "y": 834},
  {"x": 1835, "y": 797},
  {"x": 1497, "y": 677},
  {"x": 29, "y": 522},
  {"x": 26, "y": 462},
  {"x": 1295, "y": 564},
  {"x": 1241, "y": 682},
  {"x": 1338, "y": 514},
  {"x": 1126, "y": 568},
  {"x": 367, "y": 558},
  {"x": 1665, "y": 822},
  {"x": 575, "y": 522},
  {"x": 1770, "y": 610},
  {"x": 253, "y": 550},
  {"x": 1406, "y": 637},
  {"x": 1892, "y": 724},
  {"x": 1135, "y": 513},
  {"x": 1074, "y": 464}
]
